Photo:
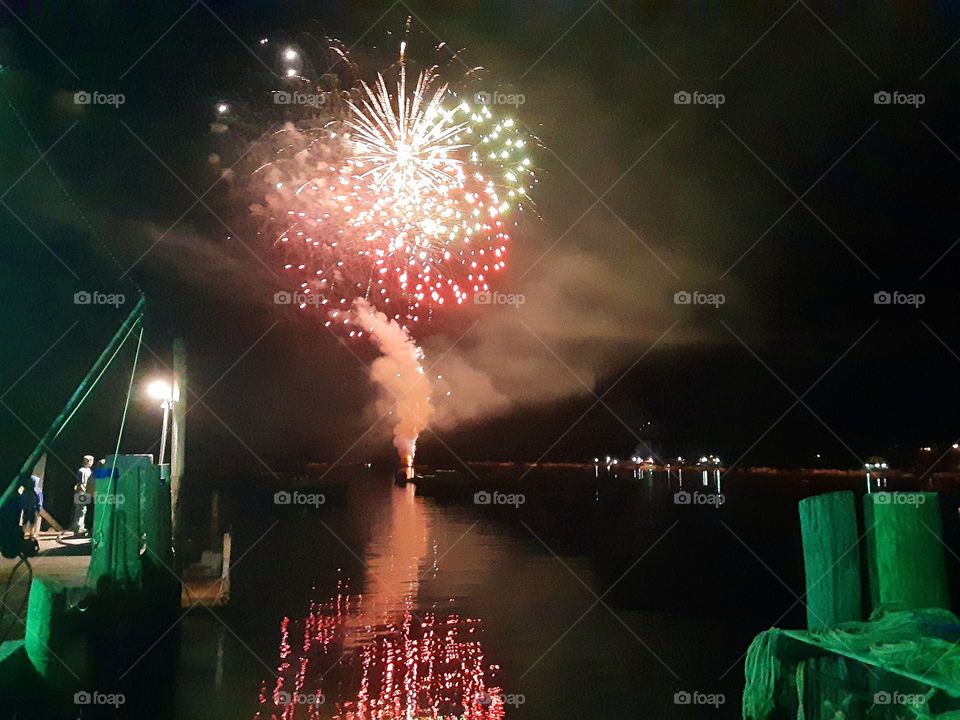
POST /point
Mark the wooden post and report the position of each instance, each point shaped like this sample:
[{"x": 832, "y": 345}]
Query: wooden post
[
  {"x": 225, "y": 569},
  {"x": 178, "y": 439},
  {"x": 831, "y": 559},
  {"x": 905, "y": 550},
  {"x": 215, "y": 535}
]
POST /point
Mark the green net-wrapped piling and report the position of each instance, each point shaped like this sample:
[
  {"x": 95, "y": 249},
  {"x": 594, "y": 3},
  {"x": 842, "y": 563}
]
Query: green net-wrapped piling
[
  {"x": 131, "y": 533},
  {"x": 45, "y": 628},
  {"x": 831, "y": 559},
  {"x": 115, "y": 552},
  {"x": 905, "y": 551},
  {"x": 135, "y": 590}
]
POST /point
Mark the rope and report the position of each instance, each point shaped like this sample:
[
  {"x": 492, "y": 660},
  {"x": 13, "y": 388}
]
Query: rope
[
  {"x": 763, "y": 670},
  {"x": 123, "y": 421},
  {"x": 801, "y": 688},
  {"x": 16, "y": 616},
  {"x": 105, "y": 367},
  {"x": 910, "y": 640}
]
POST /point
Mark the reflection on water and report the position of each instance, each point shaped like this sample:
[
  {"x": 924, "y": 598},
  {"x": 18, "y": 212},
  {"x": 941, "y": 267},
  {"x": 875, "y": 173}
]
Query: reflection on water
[
  {"x": 688, "y": 581},
  {"x": 393, "y": 559},
  {"x": 418, "y": 667},
  {"x": 372, "y": 656}
]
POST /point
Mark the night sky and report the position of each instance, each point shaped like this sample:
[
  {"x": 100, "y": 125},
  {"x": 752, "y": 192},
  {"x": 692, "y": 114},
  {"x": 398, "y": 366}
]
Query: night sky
[{"x": 798, "y": 198}]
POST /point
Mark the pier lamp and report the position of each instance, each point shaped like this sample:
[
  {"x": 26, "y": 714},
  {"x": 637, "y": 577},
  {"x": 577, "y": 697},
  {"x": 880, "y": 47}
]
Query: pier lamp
[{"x": 162, "y": 390}]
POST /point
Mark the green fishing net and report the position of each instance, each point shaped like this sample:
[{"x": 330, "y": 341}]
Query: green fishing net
[
  {"x": 904, "y": 664},
  {"x": 912, "y": 649}
]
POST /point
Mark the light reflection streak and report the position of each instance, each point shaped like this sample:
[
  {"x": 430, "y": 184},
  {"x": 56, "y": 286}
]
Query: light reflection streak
[
  {"x": 427, "y": 667},
  {"x": 373, "y": 656}
]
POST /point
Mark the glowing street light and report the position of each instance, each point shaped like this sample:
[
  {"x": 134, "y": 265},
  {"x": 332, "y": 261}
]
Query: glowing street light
[{"x": 160, "y": 390}]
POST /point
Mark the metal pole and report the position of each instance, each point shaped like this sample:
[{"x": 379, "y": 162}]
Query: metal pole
[
  {"x": 163, "y": 432},
  {"x": 134, "y": 317}
]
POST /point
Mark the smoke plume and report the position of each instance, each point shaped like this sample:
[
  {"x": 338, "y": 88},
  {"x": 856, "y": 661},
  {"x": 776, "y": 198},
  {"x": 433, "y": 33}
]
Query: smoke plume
[{"x": 405, "y": 389}]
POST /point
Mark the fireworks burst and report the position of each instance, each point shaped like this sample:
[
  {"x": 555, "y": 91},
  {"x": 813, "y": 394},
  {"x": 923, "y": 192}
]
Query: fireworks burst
[
  {"x": 400, "y": 195},
  {"x": 388, "y": 202},
  {"x": 408, "y": 147}
]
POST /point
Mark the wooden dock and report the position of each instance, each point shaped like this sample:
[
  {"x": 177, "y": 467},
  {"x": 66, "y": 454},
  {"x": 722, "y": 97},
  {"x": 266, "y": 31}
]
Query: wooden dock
[{"x": 65, "y": 562}]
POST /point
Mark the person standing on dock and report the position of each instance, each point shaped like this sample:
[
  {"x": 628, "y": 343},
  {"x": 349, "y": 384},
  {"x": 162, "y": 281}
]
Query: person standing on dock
[
  {"x": 30, "y": 504},
  {"x": 81, "y": 496}
]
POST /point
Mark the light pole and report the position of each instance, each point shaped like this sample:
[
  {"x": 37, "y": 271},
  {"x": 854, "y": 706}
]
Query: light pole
[{"x": 162, "y": 390}]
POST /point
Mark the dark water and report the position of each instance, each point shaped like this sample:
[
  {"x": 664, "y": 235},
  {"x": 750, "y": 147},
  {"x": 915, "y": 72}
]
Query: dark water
[{"x": 595, "y": 595}]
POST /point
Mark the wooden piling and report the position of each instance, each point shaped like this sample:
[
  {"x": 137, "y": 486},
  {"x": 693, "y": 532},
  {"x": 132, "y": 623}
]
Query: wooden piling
[
  {"x": 831, "y": 558},
  {"x": 905, "y": 551}
]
